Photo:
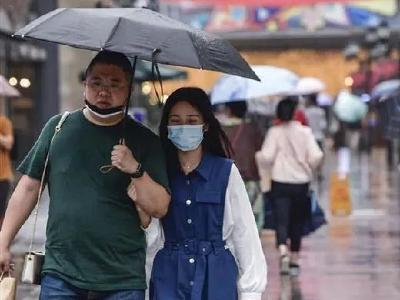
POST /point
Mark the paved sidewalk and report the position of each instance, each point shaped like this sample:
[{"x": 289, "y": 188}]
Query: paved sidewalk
[{"x": 354, "y": 257}]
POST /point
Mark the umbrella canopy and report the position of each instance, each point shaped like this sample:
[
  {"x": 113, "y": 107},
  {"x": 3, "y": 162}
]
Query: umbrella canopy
[
  {"x": 144, "y": 73},
  {"x": 274, "y": 81},
  {"x": 273, "y": 3},
  {"x": 349, "y": 107},
  {"x": 6, "y": 90},
  {"x": 385, "y": 88},
  {"x": 309, "y": 85},
  {"x": 140, "y": 33}
]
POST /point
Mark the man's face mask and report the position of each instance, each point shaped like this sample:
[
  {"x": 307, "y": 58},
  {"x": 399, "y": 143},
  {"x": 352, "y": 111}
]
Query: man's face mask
[
  {"x": 186, "y": 137},
  {"x": 104, "y": 112}
]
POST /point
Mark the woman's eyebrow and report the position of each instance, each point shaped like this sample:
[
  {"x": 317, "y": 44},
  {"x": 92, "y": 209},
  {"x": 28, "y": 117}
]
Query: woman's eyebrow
[{"x": 194, "y": 115}]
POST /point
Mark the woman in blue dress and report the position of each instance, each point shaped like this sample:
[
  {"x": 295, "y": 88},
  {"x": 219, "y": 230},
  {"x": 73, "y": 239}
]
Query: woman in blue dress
[{"x": 211, "y": 249}]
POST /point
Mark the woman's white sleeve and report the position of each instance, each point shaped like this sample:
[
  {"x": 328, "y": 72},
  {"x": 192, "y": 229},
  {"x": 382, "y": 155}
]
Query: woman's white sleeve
[
  {"x": 154, "y": 241},
  {"x": 267, "y": 154},
  {"x": 241, "y": 236}
]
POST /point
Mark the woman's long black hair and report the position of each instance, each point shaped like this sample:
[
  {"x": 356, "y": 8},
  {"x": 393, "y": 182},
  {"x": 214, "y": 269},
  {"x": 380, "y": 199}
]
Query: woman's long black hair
[{"x": 215, "y": 140}]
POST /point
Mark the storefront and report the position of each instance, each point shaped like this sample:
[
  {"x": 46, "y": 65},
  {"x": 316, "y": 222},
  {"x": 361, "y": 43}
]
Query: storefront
[{"x": 23, "y": 64}]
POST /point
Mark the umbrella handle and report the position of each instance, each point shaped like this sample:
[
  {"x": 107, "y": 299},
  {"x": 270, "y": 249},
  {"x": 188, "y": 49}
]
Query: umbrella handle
[
  {"x": 156, "y": 74},
  {"x": 108, "y": 168}
]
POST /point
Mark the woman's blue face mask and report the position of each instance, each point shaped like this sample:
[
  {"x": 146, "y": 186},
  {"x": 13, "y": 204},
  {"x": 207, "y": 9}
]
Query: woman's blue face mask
[{"x": 186, "y": 137}]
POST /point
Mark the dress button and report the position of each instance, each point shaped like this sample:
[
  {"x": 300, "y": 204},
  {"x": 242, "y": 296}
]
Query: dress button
[
  {"x": 188, "y": 202},
  {"x": 204, "y": 249},
  {"x": 187, "y": 182},
  {"x": 189, "y": 221},
  {"x": 191, "y": 283},
  {"x": 191, "y": 260}
]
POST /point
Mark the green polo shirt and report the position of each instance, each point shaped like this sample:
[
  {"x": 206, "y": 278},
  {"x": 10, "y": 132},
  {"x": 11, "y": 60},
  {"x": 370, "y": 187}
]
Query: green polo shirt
[{"x": 94, "y": 239}]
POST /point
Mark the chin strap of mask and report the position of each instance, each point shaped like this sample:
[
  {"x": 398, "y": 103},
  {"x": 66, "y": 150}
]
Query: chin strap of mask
[
  {"x": 107, "y": 168},
  {"x": 155, "y": 71}
]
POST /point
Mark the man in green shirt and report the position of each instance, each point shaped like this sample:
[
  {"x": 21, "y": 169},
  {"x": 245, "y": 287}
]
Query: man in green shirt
[{"x": 95, "y": 247}]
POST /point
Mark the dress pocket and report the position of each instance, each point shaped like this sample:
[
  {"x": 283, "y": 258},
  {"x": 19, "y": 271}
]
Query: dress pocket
[{"x": 208, "y": 196}]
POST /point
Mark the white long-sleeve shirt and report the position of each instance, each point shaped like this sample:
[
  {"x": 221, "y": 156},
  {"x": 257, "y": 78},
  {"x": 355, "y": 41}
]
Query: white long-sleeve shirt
[
  {"x": 240, "y": 235},
  {"x": 291, "y": 152}
]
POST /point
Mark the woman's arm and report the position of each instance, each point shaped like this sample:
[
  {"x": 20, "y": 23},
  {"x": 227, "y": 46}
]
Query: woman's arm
[
  {"x": 267, "y": 154},
  {"x": 314, "y": 153},
  {"x": 145, "y": 218}
]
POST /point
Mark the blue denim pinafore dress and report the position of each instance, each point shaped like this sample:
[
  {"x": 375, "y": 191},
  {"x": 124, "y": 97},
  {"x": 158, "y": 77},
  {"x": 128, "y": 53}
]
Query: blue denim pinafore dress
[{"x": 194, "y": 263}]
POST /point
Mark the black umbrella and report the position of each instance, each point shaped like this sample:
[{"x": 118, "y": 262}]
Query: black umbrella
[
  {"x": 139, "y": 33},
  {"x": 144, "y": 72}
]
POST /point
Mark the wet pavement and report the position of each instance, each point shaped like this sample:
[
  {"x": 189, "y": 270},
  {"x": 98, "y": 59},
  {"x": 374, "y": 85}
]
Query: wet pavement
[{"x": 354, "y": 257}]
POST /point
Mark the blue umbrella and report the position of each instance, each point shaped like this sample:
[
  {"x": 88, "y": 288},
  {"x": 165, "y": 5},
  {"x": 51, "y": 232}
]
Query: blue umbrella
[
  {"x": 385, "y": 88},
  {"x": 274, "y": 81}
]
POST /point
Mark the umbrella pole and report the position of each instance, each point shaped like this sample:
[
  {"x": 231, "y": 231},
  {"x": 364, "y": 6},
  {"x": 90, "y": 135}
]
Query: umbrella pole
[{"x": 128, "y": 100}]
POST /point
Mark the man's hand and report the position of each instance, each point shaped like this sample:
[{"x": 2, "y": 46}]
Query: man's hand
[
  {"x": 122, "y": 158},
  {"x": 5, "y": 261}
]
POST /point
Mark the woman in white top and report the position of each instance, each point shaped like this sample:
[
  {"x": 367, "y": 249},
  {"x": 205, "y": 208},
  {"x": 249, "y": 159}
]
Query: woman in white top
[{"x": 291, "y": 152}]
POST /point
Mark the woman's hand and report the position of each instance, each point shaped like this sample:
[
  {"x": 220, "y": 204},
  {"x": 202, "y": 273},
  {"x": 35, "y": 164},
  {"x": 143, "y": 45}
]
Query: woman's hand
[
  {"x": 145, "y": 218},
  {"x": 122, "y": 158}
]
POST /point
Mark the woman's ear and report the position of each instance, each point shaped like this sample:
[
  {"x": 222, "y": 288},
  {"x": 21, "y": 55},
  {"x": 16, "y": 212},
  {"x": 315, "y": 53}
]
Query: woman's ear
[{"x": 205, "y": 128}]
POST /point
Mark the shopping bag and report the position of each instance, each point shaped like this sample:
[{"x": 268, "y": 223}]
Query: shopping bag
[
  {"x": 314, "y": 220},
  {"x": 317, "y": 215},
  {"x": 339, "y": 190},
  {"x": 8, "y": 287}
]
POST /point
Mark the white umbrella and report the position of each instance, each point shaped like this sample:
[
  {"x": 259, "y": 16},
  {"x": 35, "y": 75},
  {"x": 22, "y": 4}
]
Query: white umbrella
[
  {"x": 309, "y": 85},
  {"x": 6, "y": 90},
  {"x": 274, "y": 81}
]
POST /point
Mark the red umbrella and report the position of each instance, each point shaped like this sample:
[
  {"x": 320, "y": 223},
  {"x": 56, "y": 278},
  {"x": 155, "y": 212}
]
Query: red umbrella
[{"x": 275, "y": 3}]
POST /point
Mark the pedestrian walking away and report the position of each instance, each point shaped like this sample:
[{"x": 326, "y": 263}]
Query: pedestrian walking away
[
  {"x": 95, "y": 245},
  {"x": 292, "y": 153},
  {"x": 210, "y": 244},
  {"x": 246, "y": 139}
]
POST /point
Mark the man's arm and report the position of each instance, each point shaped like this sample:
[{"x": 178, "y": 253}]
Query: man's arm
[
  {"x": 151, "y": 196},
  {"x": 21, "y": 204}
]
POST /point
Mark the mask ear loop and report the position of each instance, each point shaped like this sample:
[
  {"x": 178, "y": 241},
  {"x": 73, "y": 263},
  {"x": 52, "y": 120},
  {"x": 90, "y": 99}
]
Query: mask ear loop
[
  {"x": 107, "y": 168},
  {"x": 155, "y": 71}
]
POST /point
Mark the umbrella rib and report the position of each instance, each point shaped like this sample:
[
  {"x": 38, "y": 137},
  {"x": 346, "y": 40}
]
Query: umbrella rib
[
  {"x": 113, "y": 31},
  {"x": 195, "y": 48}
]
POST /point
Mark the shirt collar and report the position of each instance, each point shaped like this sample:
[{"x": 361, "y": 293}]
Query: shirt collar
[{"x": 205, "y": 166}]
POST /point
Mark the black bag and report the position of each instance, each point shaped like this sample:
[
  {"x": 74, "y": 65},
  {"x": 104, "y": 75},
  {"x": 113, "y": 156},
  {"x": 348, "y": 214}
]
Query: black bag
[
  {"x": 315, "y": 220},
  {"x": 317, "y": 215}
]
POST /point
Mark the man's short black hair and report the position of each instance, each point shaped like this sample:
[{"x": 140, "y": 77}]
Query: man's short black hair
[{"x": 111, "y": 58}]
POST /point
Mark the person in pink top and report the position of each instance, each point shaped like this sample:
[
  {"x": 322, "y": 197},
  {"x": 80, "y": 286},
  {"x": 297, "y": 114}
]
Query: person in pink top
[{"x": 291, "y": 153}]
